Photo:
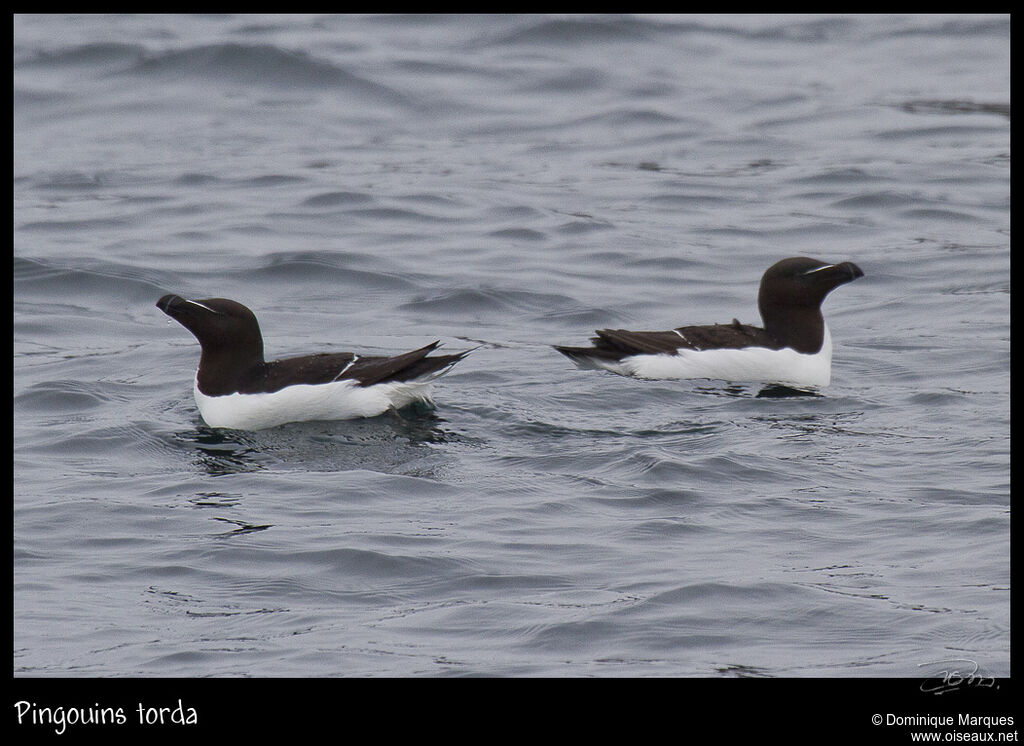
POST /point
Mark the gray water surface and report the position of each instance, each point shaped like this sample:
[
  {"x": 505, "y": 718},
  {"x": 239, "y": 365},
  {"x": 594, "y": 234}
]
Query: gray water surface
[{"x": 373, "y": 183}]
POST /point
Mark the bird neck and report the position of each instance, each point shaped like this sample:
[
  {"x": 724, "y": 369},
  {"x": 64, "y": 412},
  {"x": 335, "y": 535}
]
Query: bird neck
[
  {"x": 223, "y": 372},
  {"x": 801, "y": 328}
]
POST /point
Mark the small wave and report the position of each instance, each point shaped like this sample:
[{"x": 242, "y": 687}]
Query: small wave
[
  {"x": 930, "y": 214},
  {"x": 378, "y": 565},
  {"x": 397, "y": 213},
  {"x": 568, "y": 31},
  {"x": 874, "y": 200},
  {"x": 839, "y": 176},
  {"x": 73, "y": 226},
  {"x": 25, "y": 98},
  {"x": 72, "y": 180},
  {"x": 578, "y": 227},
  {"x": 956, "y": 27},
  {"x": 320, "y": 267},
  {"x": 815, "y": 30},
  {"x": 473, "y": 300},
  {"x": 196, "y": 179},
  {"x": 60, "y": 397},
  {"x": 457, "y": 301},
  {"x": 693, "y": 202},
  {"x": 967, "y": 133},
  {"x": 99, "y": 53},
  {"x": 270, "y": 180},
  {"x": 954, "y": 106},
  {"x": 619, "y": 116},
  {"x": 576, "y": 317},
  {"x": 575, "y": 80},
  {"x": 336, "y": 199},
  {"x": 518, "y": 234},
  {"x": 260, "y": 64},
  {"x": 45, "y": 279}
]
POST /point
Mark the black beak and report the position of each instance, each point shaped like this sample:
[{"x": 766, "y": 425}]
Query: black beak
[
  {"x": 168, "y": 302},
  {"x": 853, "y": 270}
]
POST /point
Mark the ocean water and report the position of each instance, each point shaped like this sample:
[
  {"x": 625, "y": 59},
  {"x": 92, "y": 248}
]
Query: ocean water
[{"x": 373, "y": 183}]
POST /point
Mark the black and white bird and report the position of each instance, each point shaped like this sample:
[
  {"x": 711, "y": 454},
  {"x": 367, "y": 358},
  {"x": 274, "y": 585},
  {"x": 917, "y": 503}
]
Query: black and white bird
[
  {"x": 793, "y": 348},
  {"x": 236, "y": 388}
]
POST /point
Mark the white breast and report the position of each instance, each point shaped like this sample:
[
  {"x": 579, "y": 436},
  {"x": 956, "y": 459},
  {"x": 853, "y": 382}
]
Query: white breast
[
  {"x": 749, "y": 364},
  {"x": 339, "y": 400}
]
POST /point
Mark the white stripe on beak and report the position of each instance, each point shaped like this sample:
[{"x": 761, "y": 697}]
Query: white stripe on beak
[
  {"x": 818, "y": 269},
  {"x": 197, "y": 303}
]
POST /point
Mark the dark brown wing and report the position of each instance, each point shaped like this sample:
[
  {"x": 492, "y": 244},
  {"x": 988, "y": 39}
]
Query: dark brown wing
[
  {"x": 366, "y": 370},
  {"x": 310, "y": 369},
  {"x": 409, "y": 366},
  {"x": 732, "y": 336},
  {"x": 616, "y": 344}
]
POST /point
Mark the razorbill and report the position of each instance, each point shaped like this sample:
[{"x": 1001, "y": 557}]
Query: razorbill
[
  {"x": 236, "y": 388},
  {"x": 794, "y": 348}
]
